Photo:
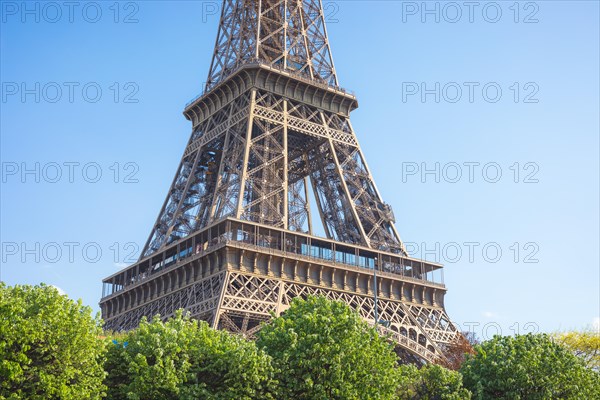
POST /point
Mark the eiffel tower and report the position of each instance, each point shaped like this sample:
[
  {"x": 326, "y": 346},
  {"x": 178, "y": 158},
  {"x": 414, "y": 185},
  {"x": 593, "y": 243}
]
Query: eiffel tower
[{"x": 271, "y": 142}]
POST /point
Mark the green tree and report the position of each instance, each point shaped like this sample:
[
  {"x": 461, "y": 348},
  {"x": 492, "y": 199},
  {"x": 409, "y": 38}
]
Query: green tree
[
  {"x": 431, "y": 382},
  {"x": 116, "y": 366},
  {"x": 226, "y": 366},
  {"x": 50, "y": 346},
  {"x": 528, "y": 367},
  {"x": 323, "y": 350},
  {"x": 186, "y": 359},
  {"x": 585, "y": 345}
]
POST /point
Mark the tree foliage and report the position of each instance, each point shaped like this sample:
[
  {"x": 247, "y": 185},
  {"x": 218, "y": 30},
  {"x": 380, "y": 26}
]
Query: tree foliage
[
  {"x": 323, "y": 350},
  {"x": 50, "y": 346},
  {"x": 431, "y": 382},
  {"x": 585, "y": 345},
  {"x": 186, "y": 359},
  {"x": 528, "y": 367}
]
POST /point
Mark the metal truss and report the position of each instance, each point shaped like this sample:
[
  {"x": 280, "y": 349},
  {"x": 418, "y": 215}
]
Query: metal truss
[
  {"x": 252, "y": 299},
  {"x": 289, "y": 34},
  {"x": 200, "y": 299},
  {"x": 257, "y": 158}
]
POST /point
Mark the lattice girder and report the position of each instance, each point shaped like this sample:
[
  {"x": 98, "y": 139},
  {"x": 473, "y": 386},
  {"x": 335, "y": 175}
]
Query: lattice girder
[
  {"x": 287, "y": 34},
  {"x": 199, "y": 299},
  {"x": 258, "y": 297},
  {"x": 246, "y": 160}
]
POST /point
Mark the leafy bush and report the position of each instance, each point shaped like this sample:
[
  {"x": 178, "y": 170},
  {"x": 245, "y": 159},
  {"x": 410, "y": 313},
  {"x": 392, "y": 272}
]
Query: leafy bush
[
  {"x": 323, "y": 350},
  {"x": 528, "y": 367},
  {"x": 186, "y": 359},
  {"x": 50, "y": 346},
  {"x": 431, "y": 382}
]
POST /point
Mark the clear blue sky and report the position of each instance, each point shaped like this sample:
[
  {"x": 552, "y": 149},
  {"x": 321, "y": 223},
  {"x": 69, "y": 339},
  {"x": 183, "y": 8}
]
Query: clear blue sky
[{"x": 384, "y": 51}]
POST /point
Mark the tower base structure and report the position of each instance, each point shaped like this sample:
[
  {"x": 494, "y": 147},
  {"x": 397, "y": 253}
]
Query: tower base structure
[{"x": 237, "y": 274}]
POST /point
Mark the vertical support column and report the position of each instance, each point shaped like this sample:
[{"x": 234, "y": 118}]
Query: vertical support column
[
  {"x": 285, "y": 42},
  {"x": 320, "y": 206},
  {"x": 213, "y": 210},
  {"x": 190, "y": 179},
  {"x": 303, "y": 25},
  {"x": 285, "y": 165},
  {"x": 280, "y": 294},
  {"x": 224, "y": 286},
  {"x": 322, "y": 17},
  {"x": 349, "y": 198},
  {"x": 248, "y": 143},
  {"x": 259, "y": 15},
  {"x": 308, "y": 214}
]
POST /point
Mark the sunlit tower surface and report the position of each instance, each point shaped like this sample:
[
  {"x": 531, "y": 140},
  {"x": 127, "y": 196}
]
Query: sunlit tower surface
[{"x": 272, "y": 158}]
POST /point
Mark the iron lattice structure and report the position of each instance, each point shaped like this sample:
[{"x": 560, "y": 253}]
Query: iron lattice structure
[{"x": 234, "y": 239}]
